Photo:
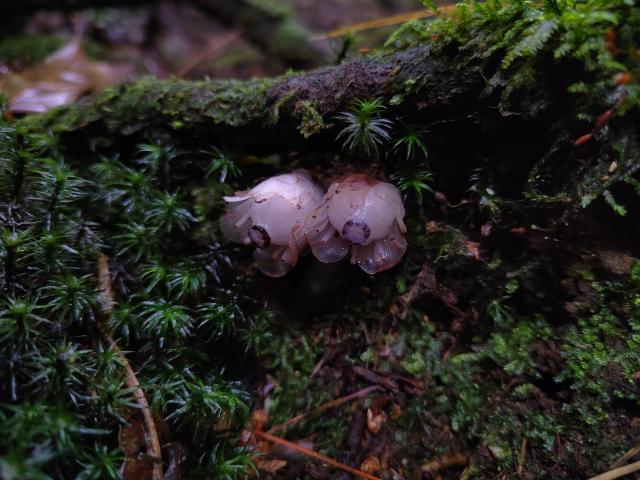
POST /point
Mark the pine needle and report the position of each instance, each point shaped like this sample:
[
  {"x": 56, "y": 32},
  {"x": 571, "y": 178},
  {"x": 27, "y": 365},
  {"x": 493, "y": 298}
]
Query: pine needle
[
  {"x": 325, "y": 406},
  {"x": 313, "y": 454},
  {"x": 380, "y": 22}
]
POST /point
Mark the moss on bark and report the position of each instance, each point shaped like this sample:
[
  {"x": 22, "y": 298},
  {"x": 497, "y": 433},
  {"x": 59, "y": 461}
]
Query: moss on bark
[{"x": 271, "y": 105}]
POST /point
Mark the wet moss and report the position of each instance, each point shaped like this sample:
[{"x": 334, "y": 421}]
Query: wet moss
[{"x": 28, "y": 49}]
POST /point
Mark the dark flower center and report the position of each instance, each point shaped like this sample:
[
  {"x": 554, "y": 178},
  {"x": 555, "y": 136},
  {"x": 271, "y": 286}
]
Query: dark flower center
[
  {"x": 259, "y": 236},
  {"x": 356, "y": 232}
]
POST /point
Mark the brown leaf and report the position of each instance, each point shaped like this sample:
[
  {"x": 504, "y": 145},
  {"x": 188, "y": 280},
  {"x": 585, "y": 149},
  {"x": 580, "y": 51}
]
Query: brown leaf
[
  {"x": 137, "y": 465},
  {"x": 445, "y": 461},
  {"x": 140, "y": 468},
  {"x": 370, "y": 465},
  {"x": 472, "y": 249},
  {"x": 375, "y": 420},
  {"x": 131, "y": 438},
  {"x": 270, "y": 466},
  {"x": 616, "y": 262},
  {"x": 396, "y": 411},
  {"x": 66, "y": 75},
  {"x": 259, "y": 419},
  {"x": 431, "y": 227},
  {"x": 623, "y": 78}
]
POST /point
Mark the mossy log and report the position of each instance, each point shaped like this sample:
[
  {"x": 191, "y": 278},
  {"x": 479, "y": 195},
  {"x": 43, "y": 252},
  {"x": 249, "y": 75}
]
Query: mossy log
[{"x": 267, "y": 110}]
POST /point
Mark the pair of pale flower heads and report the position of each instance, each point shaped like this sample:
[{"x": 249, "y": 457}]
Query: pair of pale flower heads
[{"x": 285, "y": 213}]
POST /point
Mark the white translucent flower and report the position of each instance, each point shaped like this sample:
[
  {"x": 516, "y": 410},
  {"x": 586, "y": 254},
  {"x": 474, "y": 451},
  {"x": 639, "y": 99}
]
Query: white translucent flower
[
  {"x": 271, "y": 216},
  {"x": 363, "y": 215}
]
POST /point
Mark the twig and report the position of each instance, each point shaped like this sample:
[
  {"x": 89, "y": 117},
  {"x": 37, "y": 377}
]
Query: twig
[
  {"x": 324, "y": 407},
  {"x": 523, "y": 453},
  {"x": 373, "y": 377},
  {"x": 618, "y": 472},
  {"x": 210, "y": 49},
  {"x": 314, "y": 454},
  {"x": 630, "y": 454},
  {"x": 380, "y": 22},
  {"x": 152, "y": 441}
]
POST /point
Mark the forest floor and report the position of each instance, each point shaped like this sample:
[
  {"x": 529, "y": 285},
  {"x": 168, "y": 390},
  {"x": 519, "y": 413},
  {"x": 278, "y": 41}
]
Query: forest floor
[{"x": 504, "y": 345}]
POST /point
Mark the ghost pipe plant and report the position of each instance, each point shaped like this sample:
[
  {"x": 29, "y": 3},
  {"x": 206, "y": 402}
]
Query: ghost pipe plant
[
  {"x": 361, "y": 214},
  {"x": 271, "y": 216}
]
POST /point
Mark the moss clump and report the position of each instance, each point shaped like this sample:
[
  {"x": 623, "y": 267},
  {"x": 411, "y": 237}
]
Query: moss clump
[
  {"x": 63, "y": 389},
  {"x": 204, "y": 104},
  {"x": 311, "y": 121},
  {"x": 28, "y": 49}
]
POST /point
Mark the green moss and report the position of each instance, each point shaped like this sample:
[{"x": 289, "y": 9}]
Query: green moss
[
  {"x": 230, "y": 103},
  {"x": 294, "y": 392},
  {"x": 30, "y": 49},
  {"x": 510, "y": 348},
  {"x": 311, "y": 121}
]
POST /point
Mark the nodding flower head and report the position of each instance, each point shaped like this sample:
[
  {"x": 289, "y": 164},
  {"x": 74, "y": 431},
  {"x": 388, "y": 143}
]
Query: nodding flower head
[
  {"x": 271, "y": 217},
  {"x": 362, "y": 215}
]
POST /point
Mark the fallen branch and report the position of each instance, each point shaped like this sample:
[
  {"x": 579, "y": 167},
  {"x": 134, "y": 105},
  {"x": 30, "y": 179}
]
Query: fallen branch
[
  {"x": 151, "y": 440},
  {"x": 267, "y": 111},
  {"x": 627, "y": 456},
  {"x": 324, "y": 407},
  {"x": 618, "y": 472},
  {"x": 313, "y": 454}
]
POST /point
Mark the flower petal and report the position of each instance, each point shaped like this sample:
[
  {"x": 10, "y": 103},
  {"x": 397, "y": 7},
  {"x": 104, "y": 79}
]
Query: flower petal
[
  {"x": 236, "y": 222},
  {"x": 382, "y": 254},
  {"x": 276, "y": 260},
  {"x": 325, "y": 242},
  {"x": 277, "y": 216}
]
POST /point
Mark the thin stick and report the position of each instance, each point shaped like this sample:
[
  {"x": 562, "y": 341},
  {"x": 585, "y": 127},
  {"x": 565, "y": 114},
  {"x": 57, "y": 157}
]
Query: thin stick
[
  {"x": 523, "y": 453},
  {"x": 130, "y": 379},
  {"x": 324, "y": 407},
  {"x": 211, "y": 48},
  {"x": 314, "y": 454},
  {"x": 618, "y": 472},
  {"x": 380, "y": 22},
  {"x": 630, "y": 454}
]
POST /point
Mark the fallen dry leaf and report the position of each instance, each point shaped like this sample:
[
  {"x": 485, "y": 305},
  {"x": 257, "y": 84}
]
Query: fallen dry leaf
[
  {"x": 472, "y": 249},
  {"x": 270, "y": 466},
  {"x": 375, "y": 420},
  {"x": 445, "y": 461},
  {"x": 66, "y": 75},
  {"x": 396, "y": 411},
  {"x": 616, "y": 262},
  {"x": 137, "y": 465},
  {"x": 259, "y": 419},
  {"x": 370, "y": 465}
]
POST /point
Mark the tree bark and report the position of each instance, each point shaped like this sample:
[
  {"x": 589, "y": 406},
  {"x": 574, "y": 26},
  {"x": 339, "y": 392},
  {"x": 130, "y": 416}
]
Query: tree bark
[{"x": 412, "y": 82}]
